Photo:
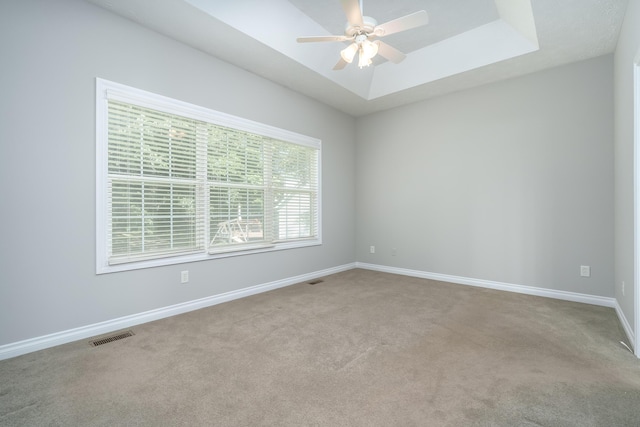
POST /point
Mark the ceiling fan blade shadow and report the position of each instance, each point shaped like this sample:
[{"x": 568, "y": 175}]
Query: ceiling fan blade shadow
[
  {"x": 312, "y": 39},
  {"x": 407, "y": 22},
  {"x": 352, "y": 10},
  {"x": 390, "y": 52},
  {"x": 340, "y": 65}
]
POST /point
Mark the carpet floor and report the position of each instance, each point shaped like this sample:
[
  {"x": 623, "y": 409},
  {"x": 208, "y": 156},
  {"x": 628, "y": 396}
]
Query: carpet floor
[{"x": 361, "y": 348}]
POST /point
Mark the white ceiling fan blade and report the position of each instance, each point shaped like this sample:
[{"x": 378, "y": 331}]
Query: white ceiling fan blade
[
  {"x": 390, "y": 52},
  {"x": 352, "y": 10},
  {"x": 322, "y": 39},
  {"x": 407, "y": 22},
  {"x": 340, "y": 65}
]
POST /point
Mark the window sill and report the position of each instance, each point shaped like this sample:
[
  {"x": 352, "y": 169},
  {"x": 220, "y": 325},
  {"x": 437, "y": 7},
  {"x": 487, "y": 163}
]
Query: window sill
[{"x": 203, "y": 256}]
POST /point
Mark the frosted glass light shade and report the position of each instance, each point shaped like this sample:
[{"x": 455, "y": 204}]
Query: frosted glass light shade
[
  {"x": 349, "y": 52},
  {"x": 367, "y": 51}
]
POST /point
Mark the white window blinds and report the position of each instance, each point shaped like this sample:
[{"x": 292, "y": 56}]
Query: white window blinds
[
  {"x": 153, "y": 207},
  {"x": 179, "y": 184}
]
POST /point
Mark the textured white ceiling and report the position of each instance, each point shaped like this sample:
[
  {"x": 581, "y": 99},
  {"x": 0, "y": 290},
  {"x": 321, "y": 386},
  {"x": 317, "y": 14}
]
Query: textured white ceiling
[{"x": 258, "y": 35}]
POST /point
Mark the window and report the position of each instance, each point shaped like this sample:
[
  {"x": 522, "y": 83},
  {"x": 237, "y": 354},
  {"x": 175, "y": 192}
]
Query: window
[{"x": 179, "y": 183}]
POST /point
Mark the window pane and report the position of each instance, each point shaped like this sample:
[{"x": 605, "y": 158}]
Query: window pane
[
  {"x": 294, "y": 216},
  {"x": 235, "y": 157},
  {"x": 126, "y": 223},
  {"x": 236, "y": 216},
  {"x": 293, "y": 166},
  {"x": 144, "y": 142},
  {"x": 149, "y": 217}
]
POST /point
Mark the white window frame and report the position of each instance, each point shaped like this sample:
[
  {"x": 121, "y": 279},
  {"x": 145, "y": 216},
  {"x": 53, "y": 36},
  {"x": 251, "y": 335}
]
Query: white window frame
[{"x": 106, "y": 90}]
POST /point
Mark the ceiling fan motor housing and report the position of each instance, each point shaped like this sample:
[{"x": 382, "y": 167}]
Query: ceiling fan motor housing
[{"x": 368, "y": 27}]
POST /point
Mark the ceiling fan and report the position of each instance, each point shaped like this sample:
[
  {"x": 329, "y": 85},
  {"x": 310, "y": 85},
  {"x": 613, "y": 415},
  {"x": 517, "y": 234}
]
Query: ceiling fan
[{"x": 362, "y": 32}]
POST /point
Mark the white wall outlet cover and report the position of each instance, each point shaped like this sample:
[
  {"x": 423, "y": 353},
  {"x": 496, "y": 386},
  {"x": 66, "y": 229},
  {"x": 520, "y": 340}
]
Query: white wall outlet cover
[{"x": 585, "y": 271}]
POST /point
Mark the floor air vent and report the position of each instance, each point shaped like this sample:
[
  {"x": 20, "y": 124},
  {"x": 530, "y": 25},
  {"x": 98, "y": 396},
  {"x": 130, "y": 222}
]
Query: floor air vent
[
  {"x": 315, "y": 282},
  {"x": 111, "y": 338}
]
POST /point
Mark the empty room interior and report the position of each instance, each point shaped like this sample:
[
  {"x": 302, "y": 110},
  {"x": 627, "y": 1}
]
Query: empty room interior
[{"x": 303, "y": 212}]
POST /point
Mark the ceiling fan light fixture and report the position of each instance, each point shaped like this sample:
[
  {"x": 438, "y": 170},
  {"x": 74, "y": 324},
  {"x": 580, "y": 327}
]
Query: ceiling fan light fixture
[
  {"x": 367, "y": 51},
  {"x": 364, "y": 62},
  {"x": 359, "y": 28},
  {"x": 349, "y": 52},
  {"x": 370, "y": 48}
]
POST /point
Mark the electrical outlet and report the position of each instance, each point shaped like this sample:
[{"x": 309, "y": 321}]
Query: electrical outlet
[
  {"x": 394, "y": 252},
  {"x": 372, "y": 249},
  {"x": 184, "y": 276},
  {"x": 623, "y": 288},
  {"x": 585, "y": 271}
]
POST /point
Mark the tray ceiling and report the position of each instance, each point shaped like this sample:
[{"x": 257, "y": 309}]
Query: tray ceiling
[{"x": 466, "y": 43}]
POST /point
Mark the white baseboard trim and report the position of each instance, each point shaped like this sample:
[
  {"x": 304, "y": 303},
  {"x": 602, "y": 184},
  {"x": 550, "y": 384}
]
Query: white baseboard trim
[
  {"x": 626, "y": 326},
  {"x": 39, "y": 343},
  {"x": 501, "y": 286}
]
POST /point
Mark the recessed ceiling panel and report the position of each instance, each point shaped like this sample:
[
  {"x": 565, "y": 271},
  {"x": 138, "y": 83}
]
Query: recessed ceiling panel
[
  {"x": 446, "y": 18},
  {"x": 487, "y": 31}
]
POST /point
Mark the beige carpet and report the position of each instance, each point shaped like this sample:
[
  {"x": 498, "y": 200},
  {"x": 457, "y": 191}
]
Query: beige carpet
[{"x": 360, "y": 349}]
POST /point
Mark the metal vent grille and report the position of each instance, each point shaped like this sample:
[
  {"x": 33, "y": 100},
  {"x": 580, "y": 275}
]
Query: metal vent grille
[
  {"x": 315, "y": 282},
  {"x": 111, "y": 338}
]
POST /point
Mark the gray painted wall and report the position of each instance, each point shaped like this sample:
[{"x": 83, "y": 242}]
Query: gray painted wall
[
  {"x": 51, "y": 54},
  {"x": 627, "y": 49},
  {"x": 509, "y": 182}
]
